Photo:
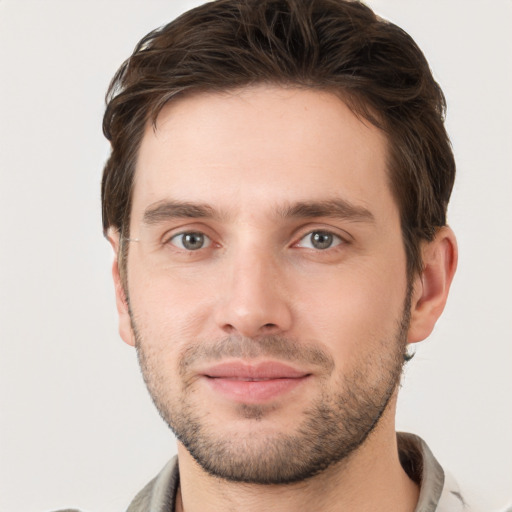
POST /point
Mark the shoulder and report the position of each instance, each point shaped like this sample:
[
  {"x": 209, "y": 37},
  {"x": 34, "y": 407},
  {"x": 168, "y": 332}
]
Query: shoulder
[
  {"x": 452, "y": 499},
  {"x": 159, "y": 494},
  {"x": 439, "y": 491}
]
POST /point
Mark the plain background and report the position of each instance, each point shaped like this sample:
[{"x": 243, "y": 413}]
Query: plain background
[{"x": 77, "y": 428}]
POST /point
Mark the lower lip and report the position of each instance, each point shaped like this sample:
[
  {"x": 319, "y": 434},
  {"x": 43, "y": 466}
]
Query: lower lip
[{"x": 255, "y": 391}]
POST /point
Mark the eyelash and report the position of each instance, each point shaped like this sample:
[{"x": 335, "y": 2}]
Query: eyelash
[
  {"x": 170, "y": 239},
  {"x": 336, "y": 239}
]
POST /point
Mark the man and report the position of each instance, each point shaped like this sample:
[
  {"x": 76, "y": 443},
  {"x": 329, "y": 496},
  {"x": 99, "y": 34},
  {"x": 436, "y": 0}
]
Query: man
[{"x": 276, "y": 199}]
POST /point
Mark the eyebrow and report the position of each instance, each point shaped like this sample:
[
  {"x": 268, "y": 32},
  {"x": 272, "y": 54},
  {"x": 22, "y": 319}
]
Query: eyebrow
[
  {"x": 167, "y": 210},
  {"x": 334, "y": 208}
]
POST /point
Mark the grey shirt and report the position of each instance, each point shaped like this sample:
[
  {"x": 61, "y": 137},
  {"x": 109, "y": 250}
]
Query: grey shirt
[{"x": 438, "y": 492}]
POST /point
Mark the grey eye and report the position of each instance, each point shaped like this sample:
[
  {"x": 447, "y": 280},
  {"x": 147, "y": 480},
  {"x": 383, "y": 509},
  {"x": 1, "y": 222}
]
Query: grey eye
[
  {"x": 320, "y": 240},
  {"x": 191, "y": 241}
]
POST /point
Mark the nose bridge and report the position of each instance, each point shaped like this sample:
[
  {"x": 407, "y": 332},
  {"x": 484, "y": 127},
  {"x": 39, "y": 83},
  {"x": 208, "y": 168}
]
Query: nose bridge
[
  {"x": 252, "y": 300},
  {"x": 252, "y": 272}
]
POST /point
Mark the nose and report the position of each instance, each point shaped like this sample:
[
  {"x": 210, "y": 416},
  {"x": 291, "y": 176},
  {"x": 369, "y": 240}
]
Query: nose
[{"x": 253, "y": 299}]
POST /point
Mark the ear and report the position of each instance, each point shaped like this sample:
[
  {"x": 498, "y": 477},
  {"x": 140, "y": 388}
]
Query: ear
[
  {"x": 431, "y": 287},
  {"x": 125, "y": 325}
]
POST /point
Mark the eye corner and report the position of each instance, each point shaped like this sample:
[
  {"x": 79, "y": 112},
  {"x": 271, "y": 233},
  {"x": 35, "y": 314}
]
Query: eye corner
[
  {"x": 190, "y": 240},
  {"x": 320, "y": 240}
]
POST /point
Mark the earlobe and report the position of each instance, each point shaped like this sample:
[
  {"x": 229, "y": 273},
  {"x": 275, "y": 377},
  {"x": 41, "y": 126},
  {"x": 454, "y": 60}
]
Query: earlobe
[
  {"x": 123, "y": 310},
  {"x": 431, "y": 287}
]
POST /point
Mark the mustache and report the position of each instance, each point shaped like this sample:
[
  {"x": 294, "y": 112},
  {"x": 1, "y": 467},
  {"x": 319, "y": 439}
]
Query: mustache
[{"x": 275, "y": 347}]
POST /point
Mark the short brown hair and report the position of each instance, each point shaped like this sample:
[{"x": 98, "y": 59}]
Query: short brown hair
[{"x": 335, "y": 45}]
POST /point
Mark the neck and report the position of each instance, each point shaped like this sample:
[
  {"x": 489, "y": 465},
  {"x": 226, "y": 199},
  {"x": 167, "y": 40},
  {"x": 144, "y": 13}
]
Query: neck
[{"x": 370, "y": 479}]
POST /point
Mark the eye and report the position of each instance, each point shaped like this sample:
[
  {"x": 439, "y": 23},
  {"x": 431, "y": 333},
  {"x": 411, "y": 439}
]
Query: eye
[
  {"x": 320, "y": 240},
  {"x": 190, "y": 241}
]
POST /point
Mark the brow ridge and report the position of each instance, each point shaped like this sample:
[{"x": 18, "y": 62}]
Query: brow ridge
[
  {"x": 170, "y": 209},
  {"x": 331, "y": 208}
]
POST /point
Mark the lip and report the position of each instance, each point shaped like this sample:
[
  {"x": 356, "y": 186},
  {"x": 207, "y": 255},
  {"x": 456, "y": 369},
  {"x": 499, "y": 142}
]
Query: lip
[{"x": 253, "y": 383}]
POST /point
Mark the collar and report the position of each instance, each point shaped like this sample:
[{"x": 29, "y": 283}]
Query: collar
[{"x": 415, "y": 456}]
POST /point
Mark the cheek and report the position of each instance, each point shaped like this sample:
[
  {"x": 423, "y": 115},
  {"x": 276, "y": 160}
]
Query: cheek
[
  {"x": 168, "y": 310},
  {"x": 354, "y": 311}
]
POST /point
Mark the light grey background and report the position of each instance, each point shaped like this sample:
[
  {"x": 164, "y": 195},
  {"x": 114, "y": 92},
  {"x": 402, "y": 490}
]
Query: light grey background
[{"x": 76, "y": 425}]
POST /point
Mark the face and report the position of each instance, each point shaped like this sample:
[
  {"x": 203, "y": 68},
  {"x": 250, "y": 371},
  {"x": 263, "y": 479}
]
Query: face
[{"x": 266, "y": 280}]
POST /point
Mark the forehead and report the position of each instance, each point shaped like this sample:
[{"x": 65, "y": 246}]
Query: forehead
[{"x": 259, "y": 147}]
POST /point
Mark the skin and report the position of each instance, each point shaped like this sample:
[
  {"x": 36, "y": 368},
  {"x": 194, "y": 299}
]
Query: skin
[{"x": 251, "y": 155}]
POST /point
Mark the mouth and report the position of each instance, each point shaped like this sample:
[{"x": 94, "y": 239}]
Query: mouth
[{"x": 253, "y": 383}]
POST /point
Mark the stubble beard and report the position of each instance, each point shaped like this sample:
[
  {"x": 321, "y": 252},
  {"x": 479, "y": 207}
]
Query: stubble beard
[{"x": 330, "y": 430}]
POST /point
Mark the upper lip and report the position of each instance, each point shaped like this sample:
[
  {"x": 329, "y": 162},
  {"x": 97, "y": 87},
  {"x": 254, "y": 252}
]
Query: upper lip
[{"x": 265, "y": 370}]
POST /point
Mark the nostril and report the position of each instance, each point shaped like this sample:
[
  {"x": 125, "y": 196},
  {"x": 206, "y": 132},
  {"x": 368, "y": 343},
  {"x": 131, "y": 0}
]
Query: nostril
[{"x": 229, "y": 328}]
